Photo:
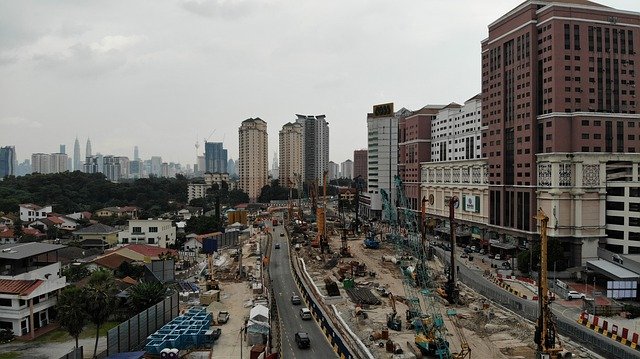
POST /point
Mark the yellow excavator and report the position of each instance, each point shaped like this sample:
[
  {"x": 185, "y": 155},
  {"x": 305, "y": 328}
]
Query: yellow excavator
[{"x": 392, "y": 318}]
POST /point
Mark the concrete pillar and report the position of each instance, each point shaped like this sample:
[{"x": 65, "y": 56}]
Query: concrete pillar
[{"x": 31, "y": 326}]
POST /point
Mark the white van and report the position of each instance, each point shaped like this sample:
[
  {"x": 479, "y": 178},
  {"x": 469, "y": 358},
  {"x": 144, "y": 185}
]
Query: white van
[{"x": 305, "y": 314}]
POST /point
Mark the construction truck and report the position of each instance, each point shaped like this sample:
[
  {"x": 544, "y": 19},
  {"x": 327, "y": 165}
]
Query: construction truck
[{"x": 393, "y": 322}]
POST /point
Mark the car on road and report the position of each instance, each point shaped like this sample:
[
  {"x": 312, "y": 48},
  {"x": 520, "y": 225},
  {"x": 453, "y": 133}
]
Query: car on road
[
  {"x": 305, "y": 314},
  {"x": 223, "y": 317},
  {"x": 295, "y": 300},
  {"x": 277, "y": 246},
  {"x": 575, "y": 295},
  {"x": 302, "y": 340},
  {"x": 281, "y": 234},
  {"x": 506, "y": 265},
  {"x": 497, "y": 257}
]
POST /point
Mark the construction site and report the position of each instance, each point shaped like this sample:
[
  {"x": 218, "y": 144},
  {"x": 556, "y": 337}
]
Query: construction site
[{"x": 399, "y": 293}]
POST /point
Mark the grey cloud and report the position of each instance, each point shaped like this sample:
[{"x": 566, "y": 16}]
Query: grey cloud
[{"x": 218, "y": 8}]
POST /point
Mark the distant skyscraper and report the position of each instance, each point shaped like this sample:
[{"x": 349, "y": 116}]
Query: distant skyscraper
[
  {"x": 136, "y": 154},
  {"x": 253, "y": 163},
  {"x": 135, "y": 169},
  {"x": 40, "y": 163},
  {"x": 88, "y": 152},
  {"x": 346, "y": 169},
  {"x": 91, "y": 165},
  {"x": 315, "y": 146},
  {"x": 76, "y": 156},
  {"x": 291, "y": 160},
  {"x": 58, "y": 163},
  {"x": 7, "y": 161},
  {"x": 100, "y": 158},
  {"x": 231, "y": 167},
  {"x": 156, "y": 166},
  {"x": 23, "y": 168},
  {"x": 63, "y": 149},
  {"x": 334, "y": 170},
  {"x": 215, "y": 157},
  {"x": 274, "y": 167}
]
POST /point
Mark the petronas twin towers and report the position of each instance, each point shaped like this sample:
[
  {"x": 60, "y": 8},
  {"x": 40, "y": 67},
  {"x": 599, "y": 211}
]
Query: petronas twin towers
[{"x": 77, "y": 157}]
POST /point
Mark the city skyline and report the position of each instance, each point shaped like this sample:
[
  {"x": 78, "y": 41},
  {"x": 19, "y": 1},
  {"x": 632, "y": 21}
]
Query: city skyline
[{"x": 68, "y": 71}]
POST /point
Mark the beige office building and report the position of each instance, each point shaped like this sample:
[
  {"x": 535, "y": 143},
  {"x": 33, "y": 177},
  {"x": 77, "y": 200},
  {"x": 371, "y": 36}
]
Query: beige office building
[
  {"x": 291, "y": 139},
  {"x": 253, "y": 164}
]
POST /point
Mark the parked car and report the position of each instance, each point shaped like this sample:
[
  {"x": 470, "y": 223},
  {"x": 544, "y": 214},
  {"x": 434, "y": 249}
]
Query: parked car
[
  {"x": 575, "y": 295},
  {"x": 295, "y": 300},
  {"x": 497, "y": 256},
  {"x": 482, "y": 251},
  {"x": 302, "y": 340},
  {"x": 506, "y": 265},
  {"x": 277, "y": 246}
]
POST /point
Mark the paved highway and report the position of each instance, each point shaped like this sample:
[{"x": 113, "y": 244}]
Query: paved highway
[{"x": 290, "y": 322}]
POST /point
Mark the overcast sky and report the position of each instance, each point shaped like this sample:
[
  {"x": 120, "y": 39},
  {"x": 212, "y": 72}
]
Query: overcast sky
[{"x": 165, "y": 74}]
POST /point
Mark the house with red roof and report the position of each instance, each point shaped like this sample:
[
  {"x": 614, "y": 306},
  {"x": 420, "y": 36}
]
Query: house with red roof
[{"x": 29, "y": 284}]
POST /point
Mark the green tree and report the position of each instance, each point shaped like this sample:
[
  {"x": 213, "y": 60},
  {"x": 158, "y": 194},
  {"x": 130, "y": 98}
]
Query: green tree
[
  {"x": 100, "y": 300},
  {"x": 127, "y": 269},
  {"x": 145, "y": 294},
  {"x": 76, "y": 273},
  {"x": 202, "y": 225},
  {"x": 71, "y": 315}
]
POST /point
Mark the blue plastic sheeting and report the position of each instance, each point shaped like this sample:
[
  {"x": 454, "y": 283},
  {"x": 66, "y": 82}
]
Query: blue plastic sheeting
[{"x": 128, "y": 355}]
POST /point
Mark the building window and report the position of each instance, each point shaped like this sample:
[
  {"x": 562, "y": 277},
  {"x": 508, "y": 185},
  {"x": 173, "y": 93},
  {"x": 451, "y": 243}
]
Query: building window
[
  {"x": 153, "y": 229},
  {"x": 585, "y": 136},
  {"x": 5, "y": 302},
  {"x": 136, "y": 230}
]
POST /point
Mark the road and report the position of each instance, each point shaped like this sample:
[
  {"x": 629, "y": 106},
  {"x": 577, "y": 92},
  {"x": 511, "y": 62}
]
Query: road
[{"x": 290, "y": 322}]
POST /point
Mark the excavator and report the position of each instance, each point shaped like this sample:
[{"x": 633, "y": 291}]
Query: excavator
[{"x": 393, "y": 322}]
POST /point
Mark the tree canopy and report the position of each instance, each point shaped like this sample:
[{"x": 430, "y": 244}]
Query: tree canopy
[{"x": 70, "y": 192}]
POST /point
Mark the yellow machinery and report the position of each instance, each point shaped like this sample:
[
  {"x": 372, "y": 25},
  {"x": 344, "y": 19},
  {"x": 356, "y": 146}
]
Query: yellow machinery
[
  {"x": 392, "y": 318},
  {"x": 546, "y": 335}
]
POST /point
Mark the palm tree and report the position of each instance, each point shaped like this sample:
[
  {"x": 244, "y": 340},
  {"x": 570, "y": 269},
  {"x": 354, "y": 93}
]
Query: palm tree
[
  {"x": 71, "y": 315},
  {"x": 145, "y": 294},
  {"x": 100, "y": 300}
]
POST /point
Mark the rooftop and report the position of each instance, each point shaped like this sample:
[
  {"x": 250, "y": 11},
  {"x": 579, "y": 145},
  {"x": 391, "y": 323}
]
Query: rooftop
[
  {"x": 26, "y": 250},
  {"x": 96, "y": 228},
  {"x": 20, "y": 287}
]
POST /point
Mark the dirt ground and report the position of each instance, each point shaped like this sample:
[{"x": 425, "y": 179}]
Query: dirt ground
[{"x": 489, "y": 331}]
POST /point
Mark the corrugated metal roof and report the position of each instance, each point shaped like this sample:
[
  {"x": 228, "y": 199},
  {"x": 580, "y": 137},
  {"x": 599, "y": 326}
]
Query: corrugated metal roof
[{"x": 20, "y": 287}]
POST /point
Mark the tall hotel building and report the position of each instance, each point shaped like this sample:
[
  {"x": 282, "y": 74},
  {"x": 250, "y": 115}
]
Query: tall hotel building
[
  {"x": 414, "y": 147},
  {"x": 253, "y": 164},
  {"x": 291, "y": 144},
  {"x": 315, "y": 150},
  {"x": 558, "y": 84}
]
